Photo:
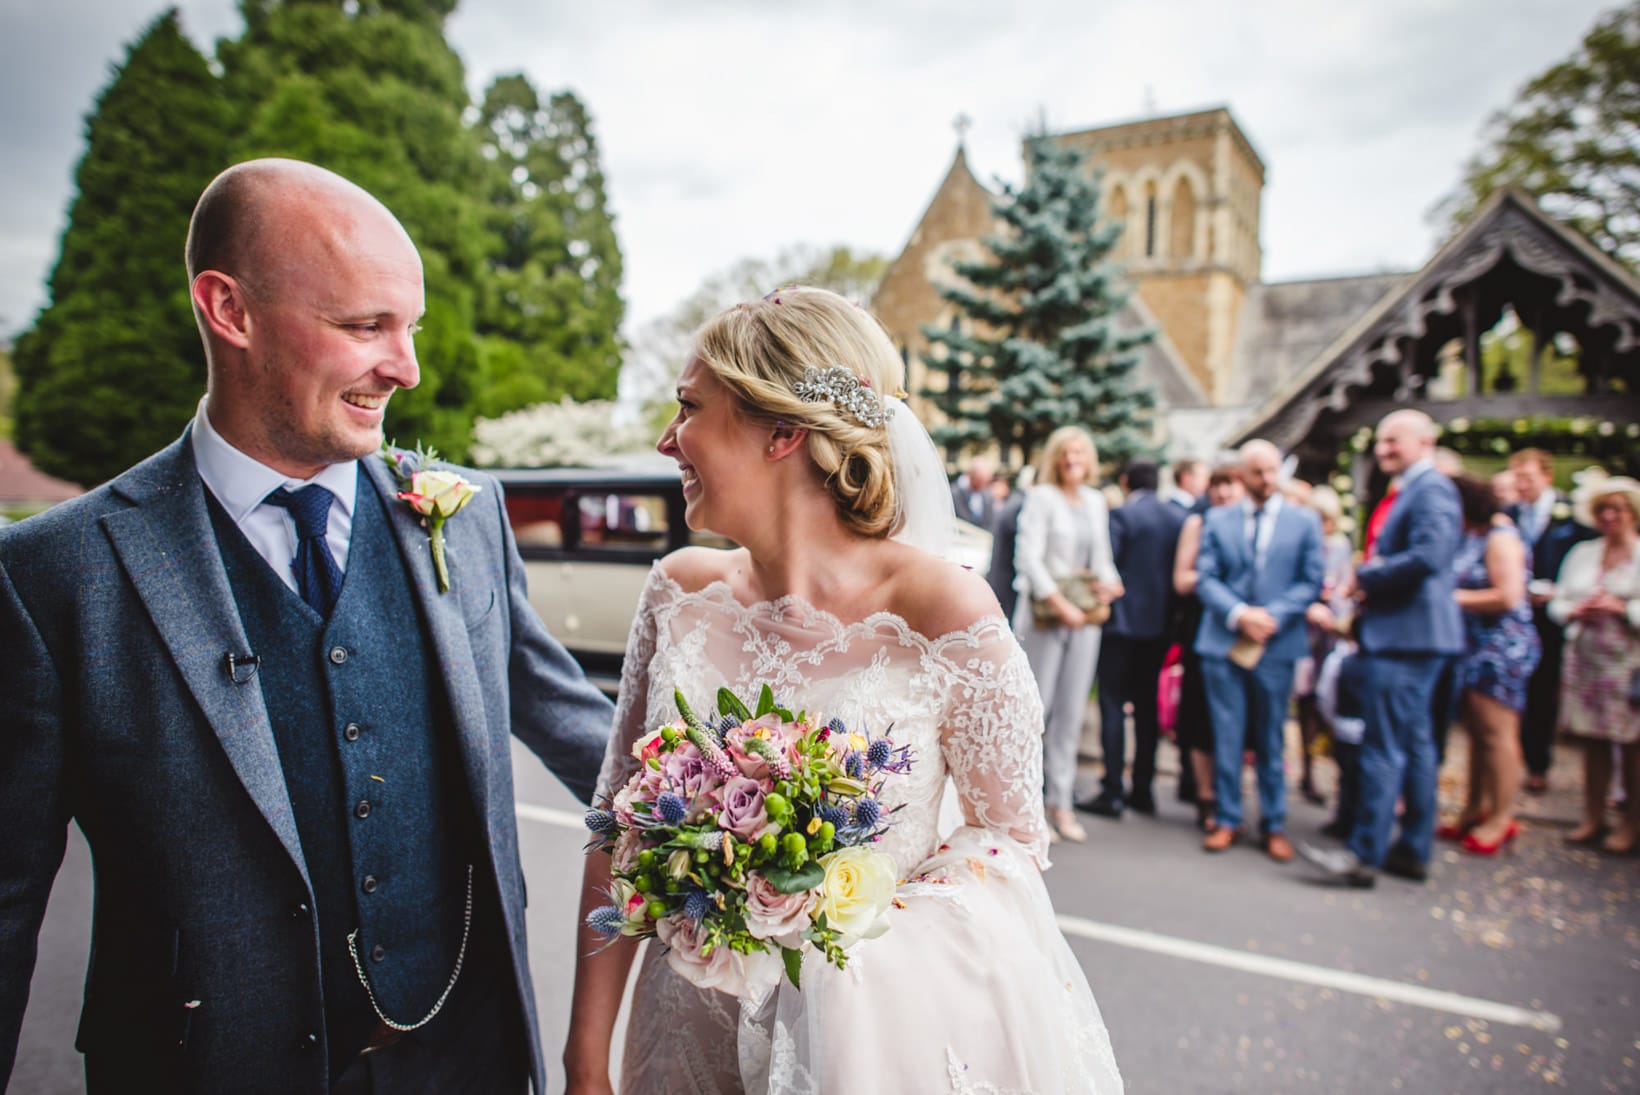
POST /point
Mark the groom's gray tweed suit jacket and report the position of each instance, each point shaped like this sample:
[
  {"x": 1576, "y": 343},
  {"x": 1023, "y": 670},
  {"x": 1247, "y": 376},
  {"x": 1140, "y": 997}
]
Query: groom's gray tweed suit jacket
[{"x": 117, "y": 711}]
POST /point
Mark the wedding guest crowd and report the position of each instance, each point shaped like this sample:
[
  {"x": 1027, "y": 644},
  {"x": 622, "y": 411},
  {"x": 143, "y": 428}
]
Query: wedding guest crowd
[{"x": 1453, "y": 611}]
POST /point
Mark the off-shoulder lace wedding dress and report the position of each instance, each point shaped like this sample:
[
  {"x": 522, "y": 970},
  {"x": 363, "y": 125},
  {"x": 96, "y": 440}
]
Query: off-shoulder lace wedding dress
[{"x": 973, "y": 988}]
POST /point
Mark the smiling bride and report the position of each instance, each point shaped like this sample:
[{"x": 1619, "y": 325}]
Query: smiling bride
[{"x": 791, "y": 445}]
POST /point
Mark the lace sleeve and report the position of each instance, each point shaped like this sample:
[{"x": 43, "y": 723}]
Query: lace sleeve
[
  {"x": 991, "y": 735},
  {"x": 632, "y": 705}
]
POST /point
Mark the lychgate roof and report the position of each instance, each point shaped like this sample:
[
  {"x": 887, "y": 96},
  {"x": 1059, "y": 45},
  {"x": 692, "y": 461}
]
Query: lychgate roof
[{"x": 1509, "y": 254}]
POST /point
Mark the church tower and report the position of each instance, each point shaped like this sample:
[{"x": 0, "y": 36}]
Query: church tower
[{"x": 1188, "y": 187}]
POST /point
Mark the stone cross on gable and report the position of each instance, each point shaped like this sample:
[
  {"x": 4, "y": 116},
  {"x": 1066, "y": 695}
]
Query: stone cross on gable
[{"x": 961, "y": 123}]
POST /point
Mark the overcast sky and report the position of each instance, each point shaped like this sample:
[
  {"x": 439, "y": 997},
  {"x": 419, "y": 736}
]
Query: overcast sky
[{"x": 731, "y": 129}]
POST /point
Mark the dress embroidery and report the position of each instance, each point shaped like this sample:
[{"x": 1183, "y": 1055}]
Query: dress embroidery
[{"x": 965, "y": 701}]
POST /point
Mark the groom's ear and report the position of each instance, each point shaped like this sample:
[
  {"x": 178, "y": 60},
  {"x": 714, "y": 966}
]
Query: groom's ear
[{"x": 219, "y": 300}]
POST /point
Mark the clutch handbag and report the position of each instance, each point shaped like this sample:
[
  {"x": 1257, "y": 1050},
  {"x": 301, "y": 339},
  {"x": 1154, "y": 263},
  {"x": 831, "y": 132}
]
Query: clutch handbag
[{"x": 1078, "y": 590}]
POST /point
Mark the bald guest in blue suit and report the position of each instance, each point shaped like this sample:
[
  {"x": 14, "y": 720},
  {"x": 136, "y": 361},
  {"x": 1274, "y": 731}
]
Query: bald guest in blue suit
[{"x": 1408, "y": 626}]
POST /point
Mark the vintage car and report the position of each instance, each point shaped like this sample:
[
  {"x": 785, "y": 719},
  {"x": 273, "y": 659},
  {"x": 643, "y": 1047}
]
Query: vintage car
[{"x": 588, "y": 537}]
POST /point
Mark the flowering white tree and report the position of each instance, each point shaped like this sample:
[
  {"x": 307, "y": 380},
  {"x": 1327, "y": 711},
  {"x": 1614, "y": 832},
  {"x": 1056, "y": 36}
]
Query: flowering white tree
[{"x": 563, "y": 434}]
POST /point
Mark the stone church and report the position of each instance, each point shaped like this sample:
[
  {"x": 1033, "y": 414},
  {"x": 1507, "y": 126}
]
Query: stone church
[{"x": 1235, "y": 352}]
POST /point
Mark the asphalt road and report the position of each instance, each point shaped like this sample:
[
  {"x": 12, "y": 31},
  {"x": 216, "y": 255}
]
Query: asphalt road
[{"x": 1224, "y": 973}]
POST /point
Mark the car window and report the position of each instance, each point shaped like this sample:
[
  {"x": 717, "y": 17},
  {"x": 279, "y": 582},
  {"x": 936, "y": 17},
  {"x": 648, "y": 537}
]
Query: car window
[
  {"x": 622, "y": 521},
  {"x": 536, "y": 518}
]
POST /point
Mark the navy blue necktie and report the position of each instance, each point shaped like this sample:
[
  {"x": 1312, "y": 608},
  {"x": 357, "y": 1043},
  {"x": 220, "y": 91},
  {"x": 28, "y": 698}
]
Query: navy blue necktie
[{"x": 318, "y": 578}]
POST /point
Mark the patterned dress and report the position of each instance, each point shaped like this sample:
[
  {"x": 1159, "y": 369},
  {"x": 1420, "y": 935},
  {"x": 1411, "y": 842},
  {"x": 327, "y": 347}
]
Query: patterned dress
[
  {"x": 1501, "y": 649},
  {"x": 973, "y": 989},
  {"x": 1602, "y": 656}
]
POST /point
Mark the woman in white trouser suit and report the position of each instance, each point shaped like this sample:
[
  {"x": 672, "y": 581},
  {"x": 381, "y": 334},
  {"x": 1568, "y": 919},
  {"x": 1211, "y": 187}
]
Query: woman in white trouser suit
[{"x": 1064, "y": 528}]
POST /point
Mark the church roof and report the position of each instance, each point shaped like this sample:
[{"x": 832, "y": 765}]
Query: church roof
[{"x": 1285, "y": 325}]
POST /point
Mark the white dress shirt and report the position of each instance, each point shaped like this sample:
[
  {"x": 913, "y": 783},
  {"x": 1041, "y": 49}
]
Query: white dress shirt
[
  {"x": 1542, "y": 512},
  {"x": 240, "y": 484}
]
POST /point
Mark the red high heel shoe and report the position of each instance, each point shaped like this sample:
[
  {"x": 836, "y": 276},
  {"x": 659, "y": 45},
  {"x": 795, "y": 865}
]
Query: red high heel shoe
[
  {"x": 1457, "y": 830},
  {"x": 1474, "y": 845}
]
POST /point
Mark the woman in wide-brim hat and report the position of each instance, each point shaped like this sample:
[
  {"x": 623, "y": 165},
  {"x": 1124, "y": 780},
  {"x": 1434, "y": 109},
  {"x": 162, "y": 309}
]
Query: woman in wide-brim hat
[{"x": 1597, "y": 600}]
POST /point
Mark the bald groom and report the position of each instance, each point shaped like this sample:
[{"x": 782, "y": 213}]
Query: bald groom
[{"x": 233, "y": 666}]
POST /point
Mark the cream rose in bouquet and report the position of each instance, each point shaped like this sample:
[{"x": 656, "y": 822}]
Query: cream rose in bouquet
[{"x": 745, "y": 841}]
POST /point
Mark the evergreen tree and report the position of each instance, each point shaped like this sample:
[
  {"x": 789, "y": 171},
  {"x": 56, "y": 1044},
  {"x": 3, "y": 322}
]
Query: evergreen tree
[
  {"x": 112, "y": 368},
  {"x": 1042, "y": 347},
  {"x": 522, "y": 269},
  {"x": 373, "y": 92},
  {"x": 1572, "y": 139},
  {"x": 552, "y": 307}
]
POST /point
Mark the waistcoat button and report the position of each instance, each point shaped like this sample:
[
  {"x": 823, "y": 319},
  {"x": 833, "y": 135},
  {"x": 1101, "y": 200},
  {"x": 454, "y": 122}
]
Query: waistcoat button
[
  {"x": 378, "y": 953},
  {"x": 362, "y": 810},
  {"x": 351, "y": 731},
  {"x": 369, "y": 884},
  {"x": 338, "y": 655}
]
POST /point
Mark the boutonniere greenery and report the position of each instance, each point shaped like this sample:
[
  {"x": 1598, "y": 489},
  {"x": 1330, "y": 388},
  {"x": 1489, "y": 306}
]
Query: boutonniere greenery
[{"x": 437, "y": 495}]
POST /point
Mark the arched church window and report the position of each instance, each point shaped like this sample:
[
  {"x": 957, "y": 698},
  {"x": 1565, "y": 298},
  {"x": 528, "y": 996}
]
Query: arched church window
[
  {"x": 1183, "y": 243},
  {"x": 1150, "y": 220},
  {"x": 1119, "y": 212}
]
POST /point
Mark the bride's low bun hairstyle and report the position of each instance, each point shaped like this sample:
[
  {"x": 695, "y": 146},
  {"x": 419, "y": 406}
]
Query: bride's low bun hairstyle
[{"x": 760, "y": 350}]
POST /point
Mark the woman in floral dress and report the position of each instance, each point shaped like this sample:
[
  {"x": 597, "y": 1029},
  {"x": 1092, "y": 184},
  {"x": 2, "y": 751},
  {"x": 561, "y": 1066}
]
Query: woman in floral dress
[
  {"x": 1597, "y": 598},
  {"x": 1502, "y": 649}
]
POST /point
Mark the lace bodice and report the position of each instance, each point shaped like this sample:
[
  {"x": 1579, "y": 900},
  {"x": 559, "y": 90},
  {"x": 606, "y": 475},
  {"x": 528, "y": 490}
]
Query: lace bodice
[{"x": 965, "y": 701}]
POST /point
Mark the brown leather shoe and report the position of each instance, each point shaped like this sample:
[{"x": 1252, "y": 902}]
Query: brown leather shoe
[
  {"x": 1278, "y": 847},
  {"x": 1219, "y": 839}
]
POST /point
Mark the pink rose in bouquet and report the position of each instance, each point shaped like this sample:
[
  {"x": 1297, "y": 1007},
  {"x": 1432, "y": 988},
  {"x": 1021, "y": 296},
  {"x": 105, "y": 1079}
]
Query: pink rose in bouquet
[
  {"x": 741, "y": 809},
  {"x": 744, "y": 842},
  {"x": 770, "y": 914}
]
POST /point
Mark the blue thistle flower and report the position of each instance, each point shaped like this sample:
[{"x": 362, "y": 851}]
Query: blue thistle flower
[
  {"x": 867, "y": 813},
  {"x": 600, "y": 821},
  {"x": 834, "y": 814},
  {"x": 670, "y": 808},
  {"x": 836, "y": 726},
  {"x": 697, "y": 905},
  {"x": 724, "y": 725},
  {"x": 606, "y": 920},
  {"x": 855, "y": 766},
  {"x": 879, "y": 753}
]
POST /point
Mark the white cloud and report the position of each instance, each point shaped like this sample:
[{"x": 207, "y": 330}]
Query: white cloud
[{"x": 731, "y": 129}]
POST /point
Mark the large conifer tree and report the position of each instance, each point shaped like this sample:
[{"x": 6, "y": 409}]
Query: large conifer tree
[
  {"x": 112, "y": 368},
  {"x": 1042, "y": 346},
  {"x": 553, "y": 306},
  {"x": 522, "y": 270}
]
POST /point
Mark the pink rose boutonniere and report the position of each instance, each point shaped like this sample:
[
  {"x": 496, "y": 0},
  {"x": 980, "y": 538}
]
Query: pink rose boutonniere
[{"x": 435, "y": 494}]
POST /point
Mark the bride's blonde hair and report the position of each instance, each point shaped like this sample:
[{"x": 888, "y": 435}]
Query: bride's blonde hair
[{"x": 759, "y": 351}]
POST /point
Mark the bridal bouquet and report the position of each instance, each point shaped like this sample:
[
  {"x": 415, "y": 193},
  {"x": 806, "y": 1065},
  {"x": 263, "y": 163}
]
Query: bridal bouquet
[{"x": 744, "y": 842}]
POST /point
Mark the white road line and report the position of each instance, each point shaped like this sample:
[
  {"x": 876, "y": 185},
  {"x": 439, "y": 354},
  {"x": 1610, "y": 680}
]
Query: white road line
[
  {"x": 1323, "y": 976},
  {"x": 1377, "y": 988},
  {"x": 546, "y": 815}
]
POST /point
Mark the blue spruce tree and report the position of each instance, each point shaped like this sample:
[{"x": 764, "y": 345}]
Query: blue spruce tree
[{"x": 1043, "y": 346}]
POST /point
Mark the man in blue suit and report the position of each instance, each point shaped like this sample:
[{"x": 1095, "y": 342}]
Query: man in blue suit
[
  {"x": 1144, "y": 532},
  {"x": 286, "y": 740},
  {"x": 1408, "y": 625},
  {"x": 1260, "y": 568}
]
